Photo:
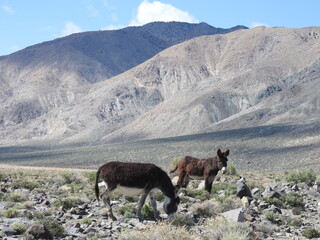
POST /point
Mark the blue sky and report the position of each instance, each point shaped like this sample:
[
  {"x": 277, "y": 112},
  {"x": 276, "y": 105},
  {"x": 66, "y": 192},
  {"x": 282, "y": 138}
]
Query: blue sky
[{"x": 27, "y": 22}]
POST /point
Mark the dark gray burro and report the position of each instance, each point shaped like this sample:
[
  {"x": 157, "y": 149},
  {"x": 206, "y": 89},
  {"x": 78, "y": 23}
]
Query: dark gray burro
[
  {"x": 135, "y": 179},
  {"x": 201, "y": 169}
]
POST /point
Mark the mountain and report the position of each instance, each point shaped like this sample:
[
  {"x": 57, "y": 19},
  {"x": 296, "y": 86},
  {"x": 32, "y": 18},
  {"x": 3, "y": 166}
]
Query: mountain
[
  {"x": 247, "y": 78},
  {"x": 95, "y": 56},
  {"x": 244, "y": 78}
]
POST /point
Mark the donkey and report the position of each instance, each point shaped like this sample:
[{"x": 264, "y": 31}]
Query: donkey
[
  {"x": 135, "y": 179},
  {"x": 198, "y": 169}
]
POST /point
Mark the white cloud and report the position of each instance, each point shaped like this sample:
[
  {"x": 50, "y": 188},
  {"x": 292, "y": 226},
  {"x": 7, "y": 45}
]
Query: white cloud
[
  {"x": 157, "y": 11},
  {"x": 7, "y": 9},
  {"x": 70, "y": 28},
  {"x": 257, "y": 24}
]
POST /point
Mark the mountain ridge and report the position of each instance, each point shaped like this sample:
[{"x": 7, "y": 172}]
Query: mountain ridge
[{"x": 244, "y": 78}]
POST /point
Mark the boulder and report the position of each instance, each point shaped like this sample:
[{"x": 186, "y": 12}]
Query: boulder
[
  {"x": 235, "y": 215},
  {"x": 243, "y": 190},
  {"x": 269, "y": 192}
]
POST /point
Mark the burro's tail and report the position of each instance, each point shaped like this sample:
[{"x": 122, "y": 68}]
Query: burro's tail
[
  {"x": 96, "y": 187},
  {"x": 175, "y": 169}
]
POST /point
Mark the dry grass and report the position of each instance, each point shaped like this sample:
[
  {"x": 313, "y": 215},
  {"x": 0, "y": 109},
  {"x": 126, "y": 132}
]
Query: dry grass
[
  {"x": 161, "y": 231},
  {"x": 220, "y": 229}
]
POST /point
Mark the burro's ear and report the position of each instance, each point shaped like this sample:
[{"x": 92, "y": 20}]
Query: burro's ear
[
  {"x": 226, "y": 153},
  {"x": 219, "y": 152}
]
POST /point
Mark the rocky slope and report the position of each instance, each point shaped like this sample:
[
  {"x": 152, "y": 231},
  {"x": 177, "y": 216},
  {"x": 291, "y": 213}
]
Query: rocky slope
[
  {"x": 244, "y": 78},
  {"x": 61, "y": 205}
]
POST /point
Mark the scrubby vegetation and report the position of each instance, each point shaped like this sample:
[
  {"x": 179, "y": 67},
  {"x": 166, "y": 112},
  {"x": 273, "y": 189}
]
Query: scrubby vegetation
[{"x": 64, "y": 202}]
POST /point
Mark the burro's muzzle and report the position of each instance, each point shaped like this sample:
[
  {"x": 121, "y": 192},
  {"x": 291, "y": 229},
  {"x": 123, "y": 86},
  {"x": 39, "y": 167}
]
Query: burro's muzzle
[
  {"x": 170, "y": 206},
  {"x": 224, "y": 170}
]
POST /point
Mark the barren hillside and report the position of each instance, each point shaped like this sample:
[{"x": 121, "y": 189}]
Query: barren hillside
[{"x": 245, "y": 78}]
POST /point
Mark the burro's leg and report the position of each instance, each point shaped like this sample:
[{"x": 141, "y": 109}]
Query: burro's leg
[
  {"x": 180, "y": 182},
  {"x": 140, "y": 204},
  {"x": 208, "y": 183},
  {"x": 152, "y": 196},
  {"x": 186, "y": 181},
  {"x": 106, "y": 199}
]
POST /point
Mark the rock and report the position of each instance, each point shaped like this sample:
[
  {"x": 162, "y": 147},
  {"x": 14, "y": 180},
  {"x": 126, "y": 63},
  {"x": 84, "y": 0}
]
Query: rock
[
  {"x": 45, "y": 202},
  {"x": 9, "y": 231},
  {"x": 256, "y": 192},
  {"x": 38, "y": 231},
  {"x": 175, "y": 180},
  {"x": 90, "y": 230},
  {"x": 271, "y": 193},
  {"x": 245, "y": 202},
  {"x": 275, "y": 209},
  {"x": 201, "y": 185},
  {"x": 263, "y": 205},
  {"x": 295, "y": 188},
  {"x": 243, "y": 190},
  {"x": 316, "y": 186},
  {"x": 235, "y": 215}
]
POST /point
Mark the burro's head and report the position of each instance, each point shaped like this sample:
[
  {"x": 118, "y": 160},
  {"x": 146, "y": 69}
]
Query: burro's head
[
  {"x": 170, "y": 205},
  {"x": 222, "y": 160}
]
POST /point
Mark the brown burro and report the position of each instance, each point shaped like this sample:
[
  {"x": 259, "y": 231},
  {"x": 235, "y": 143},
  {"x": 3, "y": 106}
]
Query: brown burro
[
  {"x": 201, "y": 169},
  {"x": 137, "y": 179}
]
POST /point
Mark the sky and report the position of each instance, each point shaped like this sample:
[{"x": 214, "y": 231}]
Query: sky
[{"x": 27, "y": 22}]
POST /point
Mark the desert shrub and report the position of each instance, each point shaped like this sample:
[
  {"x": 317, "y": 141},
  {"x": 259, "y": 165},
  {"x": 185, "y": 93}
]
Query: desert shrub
[
  {"x": 166, "y": 231},
  {"x": 30, "y": 184},
  {"x": 174, "y": 162},
  {"x": 53, "y": 226},
  {"x": 231, "y": 170},
  {"x": 219, "y": 228},
  {"x": 278, "y": 202},
  {"x": 200, "y": 194},
  {"x": 16, "y": 198},
  {"x": 205, "y": 209},
  {"x": 229, "y": 203},
  {"x": 27, "y": 214},
  {"x": 147, "y": 211},
  {"x": 11, "y": 213},
  {"x": 255, "y": 184},
  {"x": 75, "y": 187},
  {"x": 41, "y": 214},
  {"x": 295, "y": 222},
  {"x": 271, "y": 216},
  {"x": 307, "y": 176},
  {"x": 159, "y": 196},
  {"x": 293, "y": 199},
  {"x": 86, "y": 220},
  {"x": 4, "y": 177},
  {"x": 116, "y": 195},
  {"x": 229, "y": 189},
  {"x": 128, "y": 210},
  {"x": 28, "y": 204},
  {"x": 132, "y": 198},
  {"x": 181, "y": 220},
  {"x": 20, "y": 227},
  {"x": 310, "y": 233},
  {"x": 68, "y": 202},
  {"x": 91, "y": 176},
  {"x": 67, "y": 176}
]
